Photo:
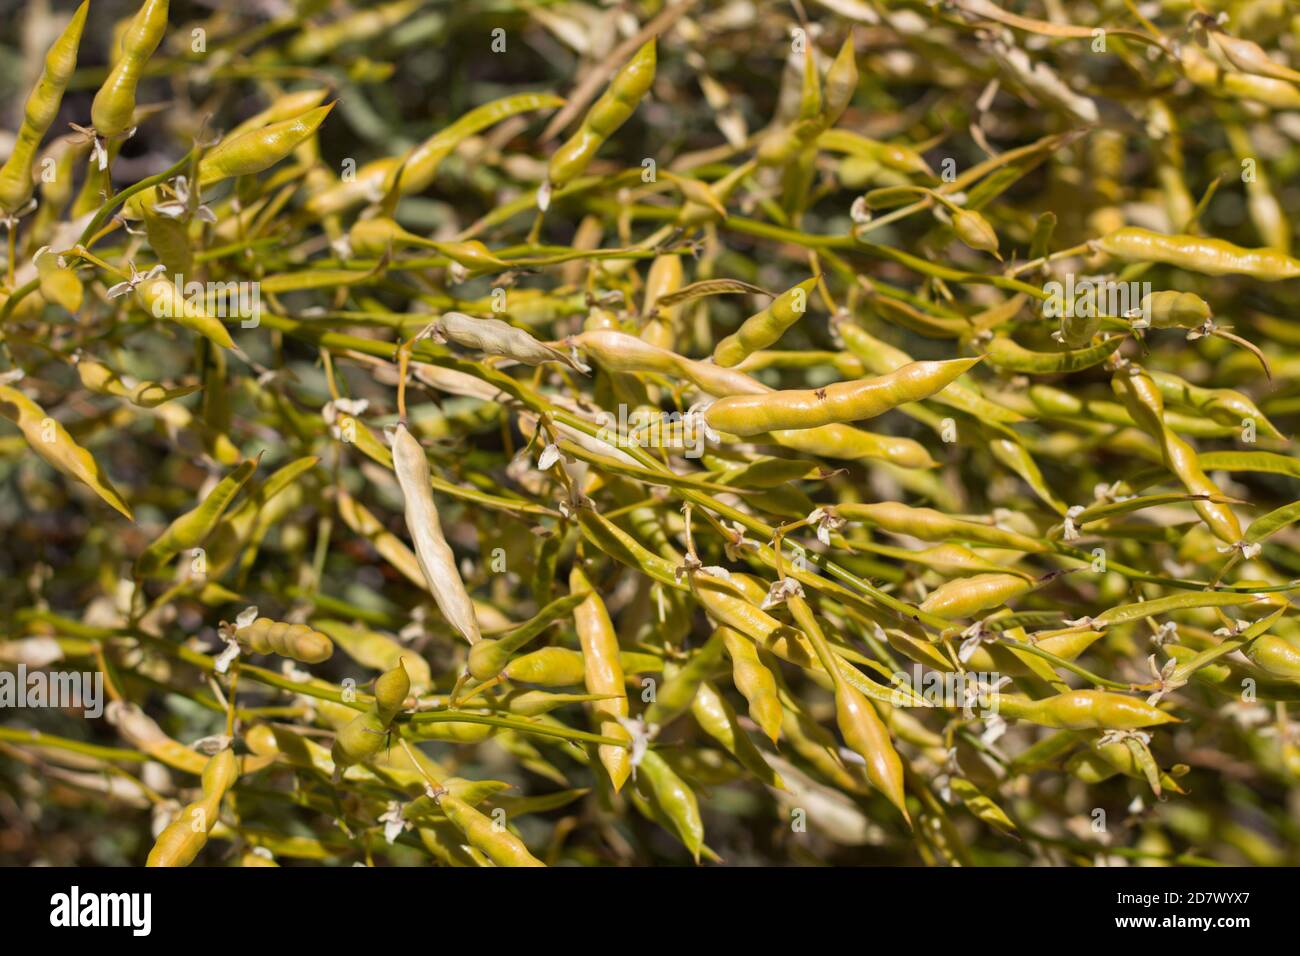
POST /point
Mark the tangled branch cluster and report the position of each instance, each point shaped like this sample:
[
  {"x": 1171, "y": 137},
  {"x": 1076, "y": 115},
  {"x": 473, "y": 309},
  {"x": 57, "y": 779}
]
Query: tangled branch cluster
[{"x": 839, "y": 431}]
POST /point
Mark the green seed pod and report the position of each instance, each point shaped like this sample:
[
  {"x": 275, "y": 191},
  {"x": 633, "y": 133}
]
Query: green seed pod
[
  {"x": 488, "y": 657},
  {"x": 242, "y": 154},
  {"x": 295, "y": 641},
  {"x": 190, "y": 529},
  {"x": 285, "y": 107},
  {"x": 1213, "y": 257},
  {"x": 391, "y": 690},
  {"x": 1276, "y": 655},
  {"x": 605, "y": 116},
  {"x": 841, "y": 84},
  {"x": 259, "y": 149},
  {"x": 1175, "y": 310},
  {"x": 161, "y": 299},
  {"x": 839, "y": 403},
  {"x": 16, "y": 176},
  {"x": 1007, "y": 354},
  {"x": 1224, "y": 405},
  {"x": 764, "y": 328},
  {"x": 966, "y": 597},
  {"x": 420, "y": 165},
  {"x": 113, "y": 109},
  {"x": 360, "y": 739},
  {"x": 659, "y": 784},
  {"x": 1101, "y": 761},
  {"x": 717, "y": 719},
  {"x": 500, "y": 845},
  {"x": 376, "y": 236},
  {"x": 1145, "y": 403},
  {"x": 1090, "y": 767},
  {"x": 1084, "y": 710},
  {"x": 358, "y": 27},
  {"x": 674, "y": 696},
  {"x": 976, "y": 231},
  {"x": 755, "y": 681}
]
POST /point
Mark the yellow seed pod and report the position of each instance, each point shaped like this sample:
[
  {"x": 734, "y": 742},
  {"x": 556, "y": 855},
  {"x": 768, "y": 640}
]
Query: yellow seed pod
[
  {"x": 603, "y": 674},
  {"x": 378, "y": 650},
  {"x": 16, "y": 179},
  {"x": 1084, "y": 710},
  {"x": 483, "y": 833},
  {"x": 975, "y": 231},
  {"x": 298, "y": 642},
  {"x": 605, "y": 116},
  {"x": 867, "y": 735},
  {"x": 1180, "y": 310},
  {"x": 1276, "y": 655},
  {"x": 548, "y": 667},
  {"x": 858, "y": 722},
  {"x": 48, "y": 438},
  {"x": 965, "y": 597},
  {"x": 161, "y": 298},
  {"x": 766, "y": 327},
  {"x": 140, "y": 730},
  {"x": 839, "y": 403},
  {"x": 220, "y": 774},
  {"x": 665, "y": 277},
  {"x": 755, "y": 681},
  {"x": 183, "y": 838},
  {"x": 113, "y": 109},
  {"x": 1198, "y": 254},
  {"x": 1144, "y": 401},
  {"x": 391, "y": 690},
  {"x": 361, "y": 738}
]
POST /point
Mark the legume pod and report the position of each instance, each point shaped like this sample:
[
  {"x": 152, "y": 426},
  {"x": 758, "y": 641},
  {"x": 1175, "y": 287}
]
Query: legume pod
[
  {"x": 603, "y": 674},
  {"x": 192, "y": 528},
  {"x": 1213, "y": 257},
  {"x": 604, "y": 117},
  {"x": 437, "y": 562},
  {"x": 48, "y": 438},
  {"x": 113, "y": 109},
  {"x": 16, "y": 176},
  {"x": 838, "y": 403},
  {"x": 766, "y": 327}
]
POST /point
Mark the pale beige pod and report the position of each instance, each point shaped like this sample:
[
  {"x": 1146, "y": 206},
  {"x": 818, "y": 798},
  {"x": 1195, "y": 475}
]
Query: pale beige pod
[
  {"x": 431, "y": 549},
  {"x": 494, "y": 337}
]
